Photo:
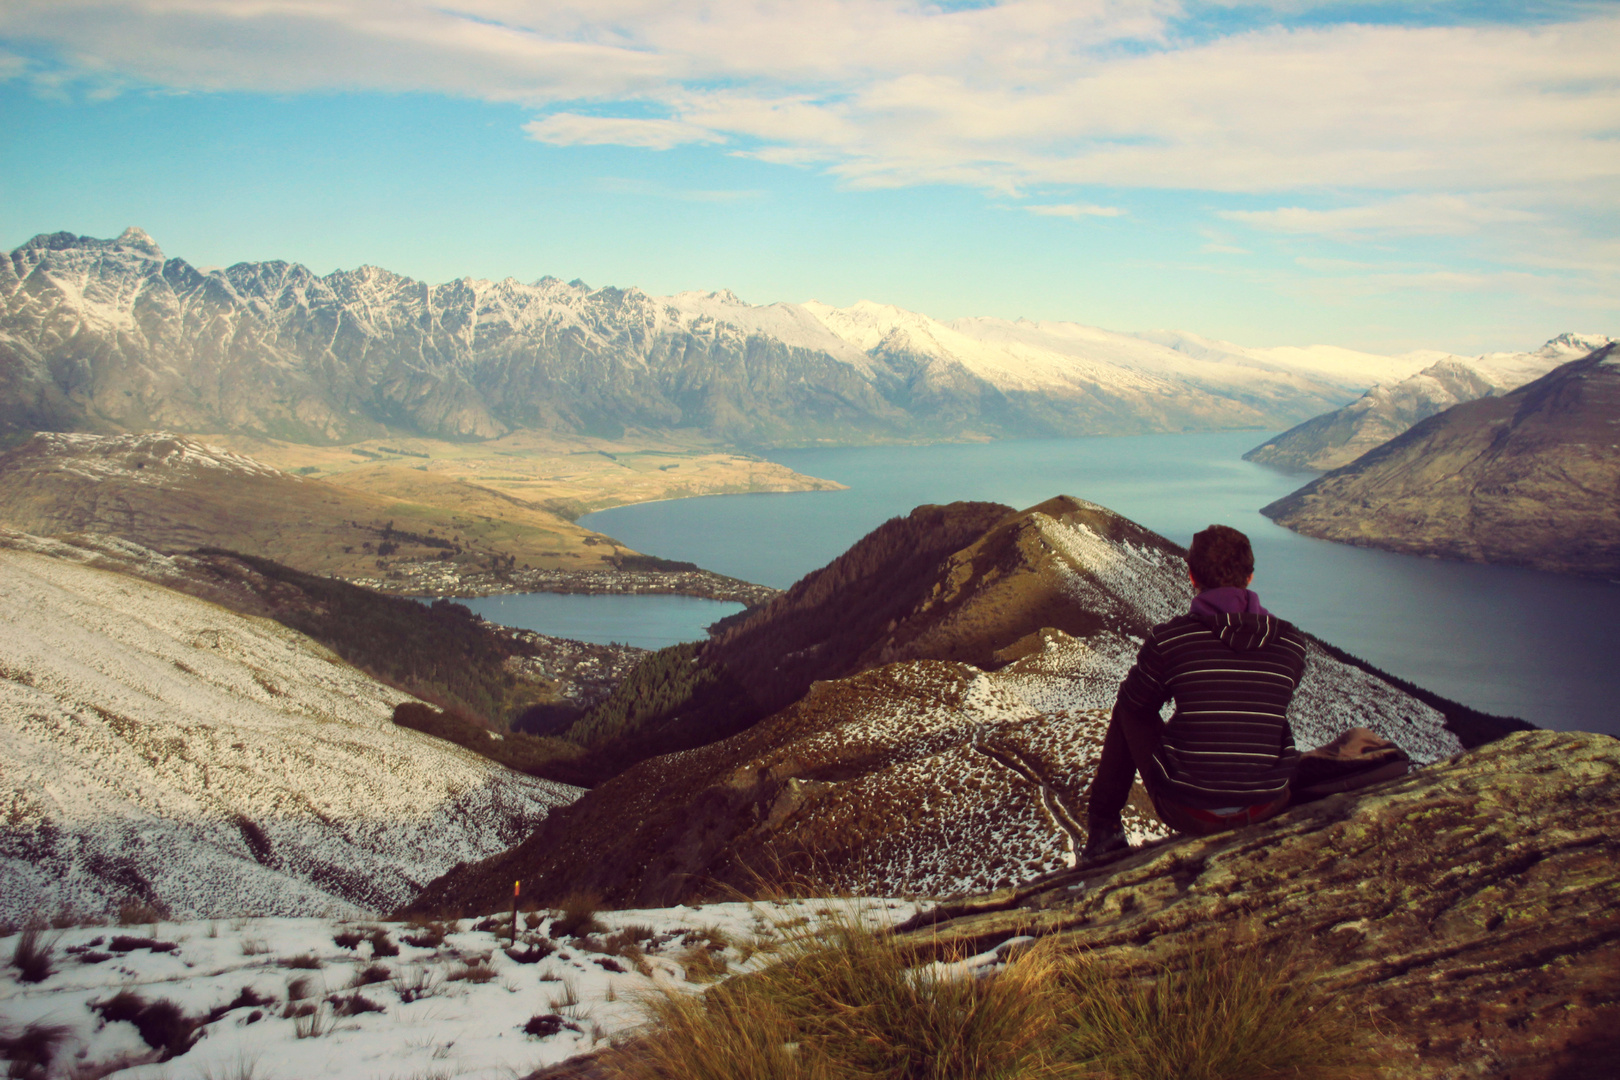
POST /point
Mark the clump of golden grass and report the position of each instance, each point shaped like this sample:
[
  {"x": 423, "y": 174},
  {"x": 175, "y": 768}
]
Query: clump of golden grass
[{"x": 849, "y": 1003}]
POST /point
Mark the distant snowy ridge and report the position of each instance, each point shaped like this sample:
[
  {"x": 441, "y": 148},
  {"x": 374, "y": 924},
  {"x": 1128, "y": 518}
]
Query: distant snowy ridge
[
  {"x": 158, "y": 749},
  {"x": 112, "y": 335},
  {"x": 1388, "y": 410}
]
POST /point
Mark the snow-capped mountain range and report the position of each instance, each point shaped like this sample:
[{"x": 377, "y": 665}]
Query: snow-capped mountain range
[{"x": 111, "y": 335}]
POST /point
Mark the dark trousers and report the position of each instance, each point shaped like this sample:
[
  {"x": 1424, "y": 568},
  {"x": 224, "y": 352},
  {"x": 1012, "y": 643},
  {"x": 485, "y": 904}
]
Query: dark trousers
[{"x": 1128, "y": 748}]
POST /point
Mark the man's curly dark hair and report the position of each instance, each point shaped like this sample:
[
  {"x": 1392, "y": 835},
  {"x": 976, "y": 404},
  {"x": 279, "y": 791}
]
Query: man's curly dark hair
[{"x": 1220, "y": 555}]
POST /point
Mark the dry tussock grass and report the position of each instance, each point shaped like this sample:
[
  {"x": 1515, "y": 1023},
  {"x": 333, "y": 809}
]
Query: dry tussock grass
[{"x": 852, "y": 1004}]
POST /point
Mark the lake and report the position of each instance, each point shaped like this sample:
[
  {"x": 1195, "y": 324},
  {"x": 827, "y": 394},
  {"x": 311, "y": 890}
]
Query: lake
[{"x": 1504, "y": 640}]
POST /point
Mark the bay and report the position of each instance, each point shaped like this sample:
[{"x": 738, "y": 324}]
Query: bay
[{"x": 1505, "y": 640}]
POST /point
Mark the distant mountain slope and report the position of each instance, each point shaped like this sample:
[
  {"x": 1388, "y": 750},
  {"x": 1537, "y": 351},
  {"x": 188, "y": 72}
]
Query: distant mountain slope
[
  {"x": 111, "y": 335},
  {"x": 925, "y": 772},
  {"x": 159, "y": 749},
  {"x": 1338, "y": 438},
  {"x": 1531, "y": 478}
]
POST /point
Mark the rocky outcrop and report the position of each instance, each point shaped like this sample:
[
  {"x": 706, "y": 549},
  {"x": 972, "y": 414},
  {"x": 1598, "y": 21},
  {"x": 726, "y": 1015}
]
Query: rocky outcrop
[
  {"x": 954, "y": 757},
  {"x": 112, "y": 335},
  {"x": 1531, "y": 478},
  {"x": 1470, "y": 910}
]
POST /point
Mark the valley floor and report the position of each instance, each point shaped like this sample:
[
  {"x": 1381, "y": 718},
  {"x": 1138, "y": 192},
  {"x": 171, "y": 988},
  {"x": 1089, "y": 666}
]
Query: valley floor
[{"x": 452, "y": 1002}]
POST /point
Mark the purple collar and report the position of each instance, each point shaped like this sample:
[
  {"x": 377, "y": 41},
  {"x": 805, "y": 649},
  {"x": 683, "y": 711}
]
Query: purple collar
[{"x": 1227, "y": 600}]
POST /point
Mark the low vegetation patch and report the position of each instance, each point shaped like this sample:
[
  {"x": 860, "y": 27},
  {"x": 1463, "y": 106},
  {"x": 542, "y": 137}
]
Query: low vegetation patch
[
  {"x": 851, "y": 1004},
  {"x": 33, "y": 956},
  {"x": 576, "y": 916},
  {"x": 163, "y": 1025}
]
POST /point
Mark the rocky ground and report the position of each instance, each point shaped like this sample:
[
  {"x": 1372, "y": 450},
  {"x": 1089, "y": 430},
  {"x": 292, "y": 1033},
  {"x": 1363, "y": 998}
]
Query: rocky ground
[{"x": 1468, "y": 914}]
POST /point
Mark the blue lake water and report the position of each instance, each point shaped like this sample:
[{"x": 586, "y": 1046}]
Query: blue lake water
[
  {"x": 1514, "y": 642},
  {"x": 649, "y": 622}
]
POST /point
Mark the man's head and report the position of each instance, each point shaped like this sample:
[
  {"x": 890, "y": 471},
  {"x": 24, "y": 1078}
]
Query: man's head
[{"x": 1220, "y": 556}]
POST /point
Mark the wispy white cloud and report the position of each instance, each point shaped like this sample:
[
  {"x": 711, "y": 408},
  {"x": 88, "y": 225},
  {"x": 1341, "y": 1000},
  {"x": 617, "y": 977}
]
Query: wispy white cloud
[
  {"x": 1414, "y": 215},
  {"x": 1008, "y": 96},
  {"x": 1074, "y": 210},
  {"x": 574, "y": 129}
]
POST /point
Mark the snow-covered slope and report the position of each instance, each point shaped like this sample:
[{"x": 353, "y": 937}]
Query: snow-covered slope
[
  {"x": 157, "y": 749},
  {"x": 455, "y": 1004}
]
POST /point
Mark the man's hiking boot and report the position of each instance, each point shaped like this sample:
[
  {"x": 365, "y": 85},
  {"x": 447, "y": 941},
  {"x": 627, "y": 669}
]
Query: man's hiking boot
[{"x": 1104, "y": 840}]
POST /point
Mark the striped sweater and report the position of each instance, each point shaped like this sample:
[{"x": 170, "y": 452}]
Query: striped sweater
[{"x": 1232, "y": 677}]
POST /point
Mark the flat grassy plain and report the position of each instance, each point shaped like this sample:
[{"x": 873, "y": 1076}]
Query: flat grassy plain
[{"x": 513, "y": 499}]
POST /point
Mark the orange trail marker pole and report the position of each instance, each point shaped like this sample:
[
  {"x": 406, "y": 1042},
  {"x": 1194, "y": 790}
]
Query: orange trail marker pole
[{"x": 515, "y": 886}]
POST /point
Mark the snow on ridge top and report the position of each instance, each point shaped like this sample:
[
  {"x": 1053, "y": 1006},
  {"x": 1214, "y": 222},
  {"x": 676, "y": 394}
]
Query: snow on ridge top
[
  {"x": 792, "y": 324},
  {"x": 168, "y": 451}
]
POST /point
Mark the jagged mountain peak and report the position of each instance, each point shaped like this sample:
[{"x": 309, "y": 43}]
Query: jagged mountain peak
[
  {"x": 136, "y": 237},
  {"x": 1570, "y": 342}
]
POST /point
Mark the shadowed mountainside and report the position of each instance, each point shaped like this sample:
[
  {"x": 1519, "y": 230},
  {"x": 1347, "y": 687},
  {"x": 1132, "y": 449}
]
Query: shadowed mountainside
[{"x": 1531, "y": 478}]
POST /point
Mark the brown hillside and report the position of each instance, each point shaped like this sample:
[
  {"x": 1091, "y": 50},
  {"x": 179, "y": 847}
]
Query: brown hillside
[
  {"x": 1531, "y": 478},
  {"x": 926, "y": 775},
  {"x": 174, "y": 494}
]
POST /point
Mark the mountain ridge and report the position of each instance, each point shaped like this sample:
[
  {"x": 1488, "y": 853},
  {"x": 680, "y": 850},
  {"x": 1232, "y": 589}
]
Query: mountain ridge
[
  {"x": 1531, "y": 478},
  {"x": 1338, "y": 438},
  {"x": 112, "y": 335}
]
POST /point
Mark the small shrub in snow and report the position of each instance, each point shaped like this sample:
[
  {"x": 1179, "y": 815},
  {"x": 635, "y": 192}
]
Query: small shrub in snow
[
  {"x": 254, "y": 946},
  {"x": 546, "y": 1025},
  {"x": 246, "y": 998},
  {"x": 415, "y": 983},
  {"x": 307, "y": 962},
  {"x": 353, "y": 1004},
  {"x": 473, "y": 971},
  {"x": 371, "y": 973},
  {"x": 124, "y": 943},
  {"x": 300, "y": 988},
  {"x": 32, "y": 1050},
  {"x": 429, "y": 934},
  {"x": 532, "y": 952},
  {"x": 312, "y": 1024},
  {"x": 381, "y": 944},
  {"x": 609, "y": 964},
  {"x": 348, "y": 939},
  {"x": 576, "y": 916},
  {"x": 163, "y": 1025},
  {"x": 701, "y": 965},
  {"x": 32, "y": 956}
]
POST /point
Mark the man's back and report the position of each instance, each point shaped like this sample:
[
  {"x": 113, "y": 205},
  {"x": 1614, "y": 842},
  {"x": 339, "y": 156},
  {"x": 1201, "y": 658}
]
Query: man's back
[{"x": 1231, "y": 676}]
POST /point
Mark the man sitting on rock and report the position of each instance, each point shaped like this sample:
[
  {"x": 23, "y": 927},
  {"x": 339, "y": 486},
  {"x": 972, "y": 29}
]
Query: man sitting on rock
[{"x": 1225, "y": 757}]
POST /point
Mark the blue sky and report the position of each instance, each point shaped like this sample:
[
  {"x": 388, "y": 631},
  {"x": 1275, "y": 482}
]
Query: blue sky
[{"x": 1381, "y": 175}]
